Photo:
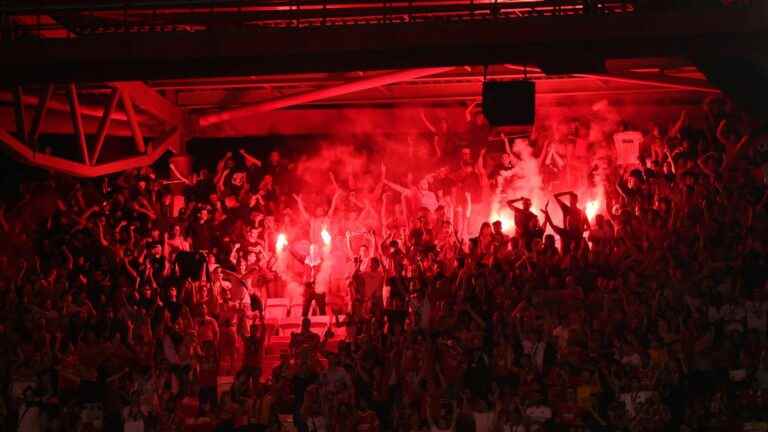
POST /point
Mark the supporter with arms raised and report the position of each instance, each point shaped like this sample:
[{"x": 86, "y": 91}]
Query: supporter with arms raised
[
  {"x": 575, "y": 222},
  {"x": 526, "y": 222}
]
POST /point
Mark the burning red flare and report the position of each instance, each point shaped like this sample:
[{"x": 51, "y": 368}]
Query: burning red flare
[
  {"x": 281, "y": 243},
  {"x": 592, "y": 208},
  {"x": 326, "y": 237},
  {"x": 506, "y": 218}
]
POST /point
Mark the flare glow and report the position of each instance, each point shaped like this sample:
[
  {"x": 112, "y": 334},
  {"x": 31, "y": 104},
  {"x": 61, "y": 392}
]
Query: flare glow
[
  {"x": 281, "y": 243},
  {"x": 592, "y": 208},
  {"x": 326, "y": 237}
]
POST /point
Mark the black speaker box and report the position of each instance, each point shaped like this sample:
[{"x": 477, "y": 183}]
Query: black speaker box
[{"x": 509, "y": 103}]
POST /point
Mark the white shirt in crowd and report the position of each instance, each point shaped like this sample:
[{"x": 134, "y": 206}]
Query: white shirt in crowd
[{"x": 539, "y": 413}]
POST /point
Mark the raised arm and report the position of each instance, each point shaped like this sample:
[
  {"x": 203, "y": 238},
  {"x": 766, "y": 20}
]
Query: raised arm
[
  {"x": 84, "y": 218},
  {"x": 436, "y": 146},
  {"x": 468, "y": 197},
  {"x": 481, "y": 162},
  {"x": 220, "y": 181},
  {"x": 733, "y": 154},
  {"x": 511, "y": 203},
  {"x": 562, "y": 203},
  {"x": 233, "y": 254},
  {"x": 177, "y": 174},
  {"x": 70, "y": 261},
  {"x": 373, "y": 244},
  {"x": 404, "y": 206},
  {"x": 671, "y": 162},
  {"x": 384, "y": 211},
  {"x": 507, "y": 148},
  {"x": 102, "y": 240},
  {"x": 130, "y": 270},
  {"x": 300, "y": 204},
  {"x": 702, "y": 162},
  {"x": 680, "y": 124},
  {"x": 426, "y": 121},
  {"x": 397, "y": 187},
  {"x": 222, "y": 162},
  {"x": 348, "y": 243},
  {"x": 468, "y": 112},
  {"x": 334, "y": 201},
  {"x": 548, "y": 220},
  {"x": 621, "y": 187},
  {"x": 249, "y": 159},
  {"x": 721, "y": 136}
]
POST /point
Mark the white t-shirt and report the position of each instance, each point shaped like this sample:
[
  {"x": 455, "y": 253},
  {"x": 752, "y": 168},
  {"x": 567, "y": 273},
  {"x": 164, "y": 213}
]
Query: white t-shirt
[
  {"x": 627, "y": 146},
  {"x": 539, "y": 413}
]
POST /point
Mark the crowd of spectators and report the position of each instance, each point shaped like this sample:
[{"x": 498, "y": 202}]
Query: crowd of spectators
[{"x": 125, "y": 305}]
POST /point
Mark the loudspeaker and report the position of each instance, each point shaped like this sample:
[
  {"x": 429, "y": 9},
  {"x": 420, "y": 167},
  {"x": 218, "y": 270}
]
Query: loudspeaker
[{"x": 509, "y": 103}]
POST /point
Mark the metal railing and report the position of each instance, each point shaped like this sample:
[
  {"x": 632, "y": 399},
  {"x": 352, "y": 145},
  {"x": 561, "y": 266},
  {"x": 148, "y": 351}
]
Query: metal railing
[{"x": 61, "y": 18}]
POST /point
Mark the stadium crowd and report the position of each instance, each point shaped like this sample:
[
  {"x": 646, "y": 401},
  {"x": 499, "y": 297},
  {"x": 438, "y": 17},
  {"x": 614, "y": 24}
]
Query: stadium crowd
[{"x": 127, "y": 307}]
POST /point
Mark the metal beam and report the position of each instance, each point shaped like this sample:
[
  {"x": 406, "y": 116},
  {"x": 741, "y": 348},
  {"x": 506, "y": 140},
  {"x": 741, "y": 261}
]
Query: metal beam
[
  {"x": 42, "y": 25},
  {"x": 329, "y": 92},
  {"x": 151, "y": 101},
  {"x": 42, "y": 108},
  {"x": 168, "y": 142},
  {"x": 250, "y": 51},
  {"x": 342, "y": 9},
  {"x": 656, "y": 80},
  {"x": 57, "y": 105},
  {"x": 133, "y": 122},
  {"x": 60, "y": 123},
  {"x": 77, "y": 121},
  {"x": 101, "y": 133}
]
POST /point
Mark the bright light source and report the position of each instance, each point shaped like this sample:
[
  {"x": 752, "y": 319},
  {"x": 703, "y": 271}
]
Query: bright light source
[
  {"x": 326, "y": 237},
  {"x": 506, "y": 219},
  {"x": 281, "y": 243},
  {"x": 592, "y": 208}
]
